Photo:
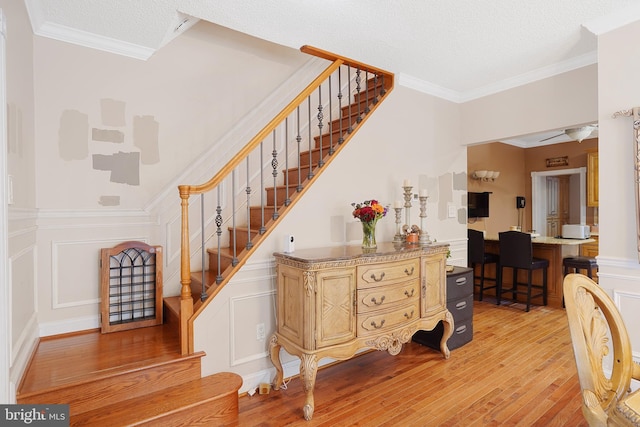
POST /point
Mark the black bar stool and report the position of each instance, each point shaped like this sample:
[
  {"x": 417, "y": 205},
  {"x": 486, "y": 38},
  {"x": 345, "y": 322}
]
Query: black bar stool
[
  {"x": 575, "y": 264},
  {"x": 516, "y": 251},
  {"x": 477, "y": 256}
]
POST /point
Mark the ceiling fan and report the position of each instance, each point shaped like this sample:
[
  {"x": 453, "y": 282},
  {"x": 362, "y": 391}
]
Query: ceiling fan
[{"x": 577, "y": 134}]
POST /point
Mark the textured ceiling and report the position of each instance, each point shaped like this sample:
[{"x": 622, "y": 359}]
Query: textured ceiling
[{"x": 458, "y": 50}]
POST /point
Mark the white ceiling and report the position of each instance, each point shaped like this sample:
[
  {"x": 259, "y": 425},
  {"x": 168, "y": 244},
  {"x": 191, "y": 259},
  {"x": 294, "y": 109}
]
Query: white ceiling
[{"x": 458, "y": 50}]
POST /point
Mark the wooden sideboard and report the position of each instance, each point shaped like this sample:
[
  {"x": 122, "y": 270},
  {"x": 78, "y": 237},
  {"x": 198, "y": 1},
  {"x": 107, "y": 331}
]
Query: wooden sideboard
[{"x": 332, "y": 302}]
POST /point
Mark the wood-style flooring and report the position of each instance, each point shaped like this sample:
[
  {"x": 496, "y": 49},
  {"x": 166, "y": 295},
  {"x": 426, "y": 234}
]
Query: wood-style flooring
[{"x": 518, "y": 370}]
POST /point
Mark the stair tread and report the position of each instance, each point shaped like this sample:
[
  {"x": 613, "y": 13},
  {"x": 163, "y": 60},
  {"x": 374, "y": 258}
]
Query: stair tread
[
  {"x": 169, "y": 400},
  {"x": 162, "y": 346},
  {"x": 172, "y": 303},
  {"x": 243, "y": 228},
  {"x": 92, "y": 377}
]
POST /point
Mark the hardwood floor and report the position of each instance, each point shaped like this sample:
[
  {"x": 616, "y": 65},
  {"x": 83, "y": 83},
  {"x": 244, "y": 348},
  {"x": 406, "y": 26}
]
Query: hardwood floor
[
  {"x": 76, "y": 357},
  {"x": 518, "y": 370}
]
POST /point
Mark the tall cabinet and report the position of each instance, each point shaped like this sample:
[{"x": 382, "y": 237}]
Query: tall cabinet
[{"x": 332, "y": 302}]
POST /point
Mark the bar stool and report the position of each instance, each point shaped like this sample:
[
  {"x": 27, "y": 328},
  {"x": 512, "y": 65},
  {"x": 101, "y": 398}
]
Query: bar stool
[
  {"x": 516, "y": 251},
  {"x": 573, "y": 264},
  {"x": 477, "y": 256}
]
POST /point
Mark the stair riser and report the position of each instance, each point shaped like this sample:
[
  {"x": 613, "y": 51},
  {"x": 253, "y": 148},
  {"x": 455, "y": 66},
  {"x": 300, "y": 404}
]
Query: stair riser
[
  {"x": 209, "y": 401},
  {"x": 280, "y": 194},
  {"x": 313, "y": 154},
  {"x": 240, "y": 238},
  {"x": 217, "y": 413},
  {"x": 293, "y": 175},
  {"x": 332, "y": 140},
  {"x": 357, "y": 108},
  {"x": 213, "y": 262},
  {"x": 256, "y": 217},
  {"x": 118, "y": 388},
  {"x": 368, "y": 94}
]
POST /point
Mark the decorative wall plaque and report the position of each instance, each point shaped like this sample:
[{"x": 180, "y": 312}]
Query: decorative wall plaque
[{"x": 558, "y": 161}]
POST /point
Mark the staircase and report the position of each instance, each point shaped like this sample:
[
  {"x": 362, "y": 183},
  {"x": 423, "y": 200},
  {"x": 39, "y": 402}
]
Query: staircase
[
  {"x": 254, "y": 191},
  {"x": 152, "y": 375},
  {"x": 133, "y": 377}
]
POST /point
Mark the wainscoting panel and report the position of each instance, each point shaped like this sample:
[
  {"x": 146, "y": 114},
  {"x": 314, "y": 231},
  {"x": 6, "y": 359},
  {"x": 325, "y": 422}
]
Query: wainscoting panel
[
  {"x": 629, "y": 305},
  {"x": 74, "y": 284},
  {"x": 252, "y": 324}
]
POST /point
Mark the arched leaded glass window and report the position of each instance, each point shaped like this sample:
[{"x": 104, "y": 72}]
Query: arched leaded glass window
[{"x": 131, "y": 286}]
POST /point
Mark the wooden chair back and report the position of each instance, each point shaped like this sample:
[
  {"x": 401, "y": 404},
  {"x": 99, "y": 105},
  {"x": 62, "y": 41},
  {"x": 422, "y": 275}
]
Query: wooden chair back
[{"x": 593, "y": 321}]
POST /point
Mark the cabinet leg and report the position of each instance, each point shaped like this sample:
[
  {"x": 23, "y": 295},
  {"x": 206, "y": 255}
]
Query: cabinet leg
[
  {"x": 274, "y": 351},
  {"x": 448, "y": 324},
  {"x": 308, "y": 370}
]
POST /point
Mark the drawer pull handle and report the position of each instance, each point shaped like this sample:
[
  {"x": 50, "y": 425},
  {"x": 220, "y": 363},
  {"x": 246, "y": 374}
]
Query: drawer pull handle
[
  {"x": 461, "y": 280},
  {"x": 373, "y": 323},
  {"x": 409, "y": 273},
  {"x": 409, "y": 316},
  {"x": 373, "y": 276},
  {"x": 373, "y": 300},
  {"x": 461, "y": 329},
  {"x": 461, "y": 305},
  {"x": 409, "y": 295}
]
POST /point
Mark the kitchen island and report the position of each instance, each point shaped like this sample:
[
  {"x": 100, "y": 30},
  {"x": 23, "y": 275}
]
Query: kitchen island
[{"x": 553, "y": 249}]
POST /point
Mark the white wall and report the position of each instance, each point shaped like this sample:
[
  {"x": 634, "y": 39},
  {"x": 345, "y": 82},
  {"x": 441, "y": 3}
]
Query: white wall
[
  {"x": 21, "y": 271},
  {"x": 619, "y": 89},
  {"x": 558, "y": 102}
]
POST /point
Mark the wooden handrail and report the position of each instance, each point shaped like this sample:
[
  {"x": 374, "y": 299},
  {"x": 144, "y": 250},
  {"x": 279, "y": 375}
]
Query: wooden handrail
[
  {"x": 187, "y": 314},
  {"x": 251, "y": 145}
]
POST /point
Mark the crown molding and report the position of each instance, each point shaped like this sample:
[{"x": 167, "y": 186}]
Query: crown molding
[
  {"x": 613, "y": 21},
  {"x": 570, "y": 64},
  {"x": 93, "y": 41},
  {"x": 428, "y": 88}
]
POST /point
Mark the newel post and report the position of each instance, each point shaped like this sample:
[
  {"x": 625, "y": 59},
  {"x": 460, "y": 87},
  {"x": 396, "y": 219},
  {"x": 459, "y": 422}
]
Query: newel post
[{"x": 186, "y": 301}]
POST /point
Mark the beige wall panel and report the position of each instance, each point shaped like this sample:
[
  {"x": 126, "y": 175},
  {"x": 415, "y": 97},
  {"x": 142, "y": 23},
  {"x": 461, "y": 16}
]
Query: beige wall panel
[{"x": 557, "y": 102}]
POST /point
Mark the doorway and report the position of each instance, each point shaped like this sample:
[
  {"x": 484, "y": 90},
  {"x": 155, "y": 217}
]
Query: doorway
[{"x": 542, "y": 201}]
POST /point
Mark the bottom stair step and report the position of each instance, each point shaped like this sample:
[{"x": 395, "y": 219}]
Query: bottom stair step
[{"x": 211, "y": 400}]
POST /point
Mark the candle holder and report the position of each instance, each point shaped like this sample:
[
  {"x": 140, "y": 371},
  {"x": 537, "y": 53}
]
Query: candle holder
[
  {"x": 424, "y": 236},
  {"x": 407, "y": 204},
  {"x": 398, "y": 238}
]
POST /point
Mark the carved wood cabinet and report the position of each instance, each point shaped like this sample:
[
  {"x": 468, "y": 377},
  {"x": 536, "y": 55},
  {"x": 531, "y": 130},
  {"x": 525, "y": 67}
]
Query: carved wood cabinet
[{"x": 332, "y": 302}]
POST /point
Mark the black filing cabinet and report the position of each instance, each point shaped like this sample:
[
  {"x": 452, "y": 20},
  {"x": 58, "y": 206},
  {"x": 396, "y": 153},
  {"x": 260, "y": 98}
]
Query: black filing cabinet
[{"x": 460, "y": 304}]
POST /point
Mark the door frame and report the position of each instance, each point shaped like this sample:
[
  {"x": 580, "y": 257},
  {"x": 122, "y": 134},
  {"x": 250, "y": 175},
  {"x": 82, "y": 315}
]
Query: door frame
[{"x": 539, "y": 196}]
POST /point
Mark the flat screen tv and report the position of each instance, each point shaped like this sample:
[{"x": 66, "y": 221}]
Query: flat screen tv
[{"x": 478, "y": 204}]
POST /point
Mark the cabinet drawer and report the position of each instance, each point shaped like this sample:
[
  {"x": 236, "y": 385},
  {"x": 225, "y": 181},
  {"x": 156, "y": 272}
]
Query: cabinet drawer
[
  {"x": 382, "y": 320},
  {"x": 461, "y": 309},
  {"x": 386, "y": 273},
  {"x": 459, "y": 285},
  {"x": 383, "y": 297}
]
